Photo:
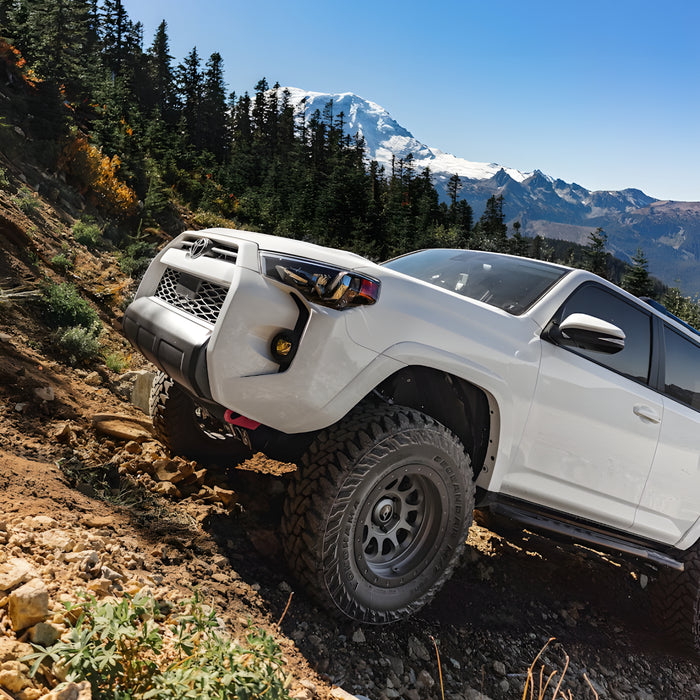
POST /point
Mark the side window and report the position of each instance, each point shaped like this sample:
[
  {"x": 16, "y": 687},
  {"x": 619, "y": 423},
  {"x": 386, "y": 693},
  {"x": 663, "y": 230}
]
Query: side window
[
  {"x": 682, "y": 369},
  {"x": 634, "y": 360}
]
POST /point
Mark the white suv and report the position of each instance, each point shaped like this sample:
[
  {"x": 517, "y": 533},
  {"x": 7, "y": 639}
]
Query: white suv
[{"x": 411, "y": 392}]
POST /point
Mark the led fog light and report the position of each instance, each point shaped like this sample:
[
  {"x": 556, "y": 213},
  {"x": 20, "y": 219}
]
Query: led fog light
[{"x": 283, "y": 347}]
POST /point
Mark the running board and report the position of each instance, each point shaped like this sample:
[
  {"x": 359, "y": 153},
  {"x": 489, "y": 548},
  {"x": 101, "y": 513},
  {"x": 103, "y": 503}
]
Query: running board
[{"x": 582, "y": 534}]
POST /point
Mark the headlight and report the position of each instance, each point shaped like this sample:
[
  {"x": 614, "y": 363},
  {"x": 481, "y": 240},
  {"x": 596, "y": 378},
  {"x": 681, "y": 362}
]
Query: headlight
[{"x": 321, "y": 283}]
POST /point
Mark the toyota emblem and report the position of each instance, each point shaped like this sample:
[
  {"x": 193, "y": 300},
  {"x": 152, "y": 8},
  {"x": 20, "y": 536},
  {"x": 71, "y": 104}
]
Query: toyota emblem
[{"x": 199, "y": 247}]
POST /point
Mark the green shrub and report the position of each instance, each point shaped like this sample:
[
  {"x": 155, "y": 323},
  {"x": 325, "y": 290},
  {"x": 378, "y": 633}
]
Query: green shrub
[
  {"x": 77, "y": 345},
  {"x": 135, "y": 257},
  {"x": 116, "y": 362},
  {"x": 88, "y": 234},
  {"x": 133, "y": 648},
  {"x": 26, "y": 200},
  {"x": 4, "y": 180},
  {"x": 63, "y": 306},
  {"x": 63, "y": 262}
]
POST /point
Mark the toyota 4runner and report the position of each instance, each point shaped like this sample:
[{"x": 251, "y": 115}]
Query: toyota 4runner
[{"x": 411, "y": 392}]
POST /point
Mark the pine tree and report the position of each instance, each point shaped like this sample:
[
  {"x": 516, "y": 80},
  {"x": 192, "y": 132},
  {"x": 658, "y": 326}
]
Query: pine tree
[
  {"x": 637, "y": 280},
  {"x": 490, "y": 231},
  {"x": 595, "y": 259},
  {"x": 161, "y": 78},
  {"x": 190, "y": 87},
  {"x": 213, "y": 117}
]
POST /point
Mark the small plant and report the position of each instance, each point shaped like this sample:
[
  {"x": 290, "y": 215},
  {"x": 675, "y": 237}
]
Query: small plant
[
  {"x": 64, "y": 307},
  {"x": 77, "y": 345},
  {"x": 135, "y": 258},
  {"x": 27, "y": 200},
  {"x": 62, "y": 262},
  {"x": 116, "y": 362},
  {"x": 88, "y": 234},
  {"x": 134, "y": 648},
  {"x": 4, "y": 180}
]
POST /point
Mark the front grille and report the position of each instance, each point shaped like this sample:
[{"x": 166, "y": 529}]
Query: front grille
[
  {"x": 198, "y": 297},
  {"x": 214, "y": 249}
]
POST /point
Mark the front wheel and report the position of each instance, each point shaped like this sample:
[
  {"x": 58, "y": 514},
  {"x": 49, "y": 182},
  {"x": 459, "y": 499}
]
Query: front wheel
[
  {"x": 378, "y": 513},
  {"x": 186, "y": 430}
]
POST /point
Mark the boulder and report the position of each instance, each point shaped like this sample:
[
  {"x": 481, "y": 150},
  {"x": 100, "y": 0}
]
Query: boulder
[
  {"x": 15, "y": 571},
  {"x": 29, "y": 604}
]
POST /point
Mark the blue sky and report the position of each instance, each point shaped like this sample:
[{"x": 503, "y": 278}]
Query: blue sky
[{"x": 601, "y": 93}]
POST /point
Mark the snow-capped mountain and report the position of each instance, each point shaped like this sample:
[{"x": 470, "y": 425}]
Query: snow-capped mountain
[
  {"x": 385, "y": 137},
  {"x": 668, "y": 232}
]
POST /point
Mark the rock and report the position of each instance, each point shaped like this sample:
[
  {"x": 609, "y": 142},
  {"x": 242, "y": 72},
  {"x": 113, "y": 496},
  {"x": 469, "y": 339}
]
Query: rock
[
  {"x": 499, "y": 668},
  {"x": 340, "y": 694},
  {"x": 417, "y": 649},
  {"x": 13, "y": 676},
  {"x": 132, "y": 447},
  {"x": 58, "y": 539},
  {"x": 29, "y": 604},
  {"x": 141, "y": 390},
  {"x": 40, "y": 522},
  {"x": 358, "y": 636},
  {"x": 45, "y": 393},
  {"x": 93, "y": 379},
  {"x": 15, "y": 571},
  {"x": 73, "y": 691},
  {"x": 425, "y": 680},
  {"x": 226, "y": 496},
  {"x": 11, "y": 649},
  {"x": 64, "y": 434},
  {"x": 166, "y": 488},
  {"x": 98, "y": 520},
  {"x": 471, "y": 694},
  {"x": 174, "y": 470},
  {"x": 396, "y": 663},
  {"x": 44, "y": 633}
]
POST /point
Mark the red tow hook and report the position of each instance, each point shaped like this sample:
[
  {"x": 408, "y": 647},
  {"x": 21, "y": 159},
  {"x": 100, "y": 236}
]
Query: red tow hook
[{"x": 236, "y": 419}]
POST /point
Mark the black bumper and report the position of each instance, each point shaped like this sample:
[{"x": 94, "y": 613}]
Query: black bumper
[{"x": 170, "y": 341}]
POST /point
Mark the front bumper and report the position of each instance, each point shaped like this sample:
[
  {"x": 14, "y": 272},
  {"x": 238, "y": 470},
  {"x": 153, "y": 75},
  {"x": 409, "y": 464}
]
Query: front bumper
[
  {"x": 224, "y": 355},
  {"x": 171, "y": 341}
]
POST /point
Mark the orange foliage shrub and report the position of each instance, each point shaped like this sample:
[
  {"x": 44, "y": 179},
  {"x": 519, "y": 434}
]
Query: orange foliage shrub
[
  {"x": 96, "y": 175},
  {"x": 15, "y": 63}
]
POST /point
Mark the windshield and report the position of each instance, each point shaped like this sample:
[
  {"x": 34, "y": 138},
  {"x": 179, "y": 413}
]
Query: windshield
[{"x": 507, "y": 282}]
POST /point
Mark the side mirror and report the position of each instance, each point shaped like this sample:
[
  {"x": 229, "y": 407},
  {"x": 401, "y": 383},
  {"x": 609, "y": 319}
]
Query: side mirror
[{"x": 589, "y": 333}]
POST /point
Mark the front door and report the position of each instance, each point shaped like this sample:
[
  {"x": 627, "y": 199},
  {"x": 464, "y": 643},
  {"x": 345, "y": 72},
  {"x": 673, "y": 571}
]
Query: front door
[{"x": 592, "y": 432}]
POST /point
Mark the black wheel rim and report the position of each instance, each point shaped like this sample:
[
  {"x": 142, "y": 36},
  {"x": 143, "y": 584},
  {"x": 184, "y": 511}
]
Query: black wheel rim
[{"x": 400, "y": 526}]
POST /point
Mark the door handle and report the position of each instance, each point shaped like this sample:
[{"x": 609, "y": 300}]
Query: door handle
[{"x": 647, "y": 413}]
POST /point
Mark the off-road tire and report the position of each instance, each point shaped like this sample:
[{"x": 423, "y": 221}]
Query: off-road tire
[
  {"x": 676, "y": 602},
  {"x": 377, "y": 514},
  {"x": 177, "y": 425}
]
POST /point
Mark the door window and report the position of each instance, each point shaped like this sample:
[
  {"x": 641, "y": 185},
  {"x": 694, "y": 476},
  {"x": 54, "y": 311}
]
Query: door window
[
  {"x": 682, "y": 380},
  {"x": 634, "y": 360}
]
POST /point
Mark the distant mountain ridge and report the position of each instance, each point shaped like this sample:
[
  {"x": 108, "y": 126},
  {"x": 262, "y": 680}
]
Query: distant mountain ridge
[{"x": 667, "y": 231}]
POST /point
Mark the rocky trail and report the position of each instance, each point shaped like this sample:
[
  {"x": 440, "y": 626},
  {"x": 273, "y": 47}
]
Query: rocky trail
[{"x": 96, "y": 505}]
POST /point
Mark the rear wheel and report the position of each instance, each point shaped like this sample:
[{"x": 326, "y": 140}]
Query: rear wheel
[
  {"x": 187, "y": 430},
  {"x": 677, "y": 601},
  {"x": 378, "y": 513}
]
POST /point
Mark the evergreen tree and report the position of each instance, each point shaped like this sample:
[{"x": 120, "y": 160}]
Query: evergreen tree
[
  {"x": 161, "y": 79},
  {"x": 490, "y": 231},
  {"x": 595, "y": 259},
  {"x": 114, "y": 32},
  {"x": 190, "y": 88},
  {"x": 213, "y": 118},
  {"x": 637, "y": 280}
]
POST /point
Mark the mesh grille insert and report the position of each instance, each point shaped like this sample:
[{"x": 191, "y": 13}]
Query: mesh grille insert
[{"x": 197, "y": 297}]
